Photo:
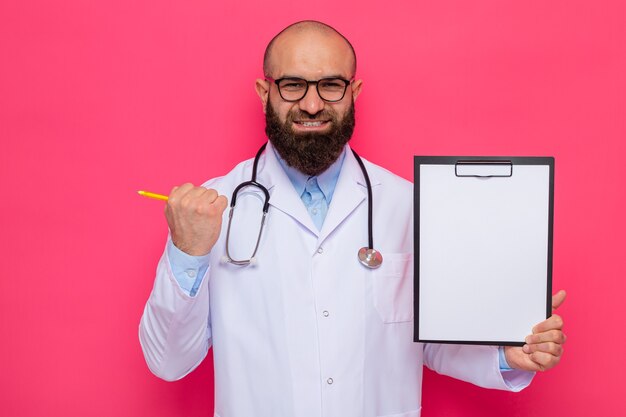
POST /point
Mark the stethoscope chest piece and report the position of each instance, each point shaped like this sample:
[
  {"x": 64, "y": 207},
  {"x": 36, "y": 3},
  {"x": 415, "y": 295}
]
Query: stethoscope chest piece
[{"x": 371, "y": 258}]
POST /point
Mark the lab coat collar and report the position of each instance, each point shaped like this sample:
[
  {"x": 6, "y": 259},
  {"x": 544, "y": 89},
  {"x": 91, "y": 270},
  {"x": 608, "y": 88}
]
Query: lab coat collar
[
  {"x": 350, "y": 192},
  {"x": 283, "y": 195}
]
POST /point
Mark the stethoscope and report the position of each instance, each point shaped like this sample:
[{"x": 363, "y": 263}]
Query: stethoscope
[{"x": 368, "y": 256}]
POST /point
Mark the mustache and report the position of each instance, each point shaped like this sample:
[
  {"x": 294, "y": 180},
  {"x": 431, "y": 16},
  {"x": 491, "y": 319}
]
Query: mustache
[{"x": 324, "y": 114}]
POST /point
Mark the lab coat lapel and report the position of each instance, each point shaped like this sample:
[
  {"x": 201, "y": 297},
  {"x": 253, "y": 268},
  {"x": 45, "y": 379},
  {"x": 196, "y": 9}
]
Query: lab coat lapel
[
  {"x": 350, "y": 192},
  {"x": 283, "y": 195}
]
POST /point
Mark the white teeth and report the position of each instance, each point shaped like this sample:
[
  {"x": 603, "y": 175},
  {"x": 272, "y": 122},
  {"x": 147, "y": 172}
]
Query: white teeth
[{"x": 311, "y": 124}]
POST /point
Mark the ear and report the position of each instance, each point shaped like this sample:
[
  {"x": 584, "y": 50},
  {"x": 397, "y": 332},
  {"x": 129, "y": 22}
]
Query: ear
[
  {"x": 263, "y": 89},
  {"x": 356, "y": 88}
]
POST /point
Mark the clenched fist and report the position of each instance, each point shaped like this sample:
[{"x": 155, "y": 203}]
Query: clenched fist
[{"x": 194, "y": 216}]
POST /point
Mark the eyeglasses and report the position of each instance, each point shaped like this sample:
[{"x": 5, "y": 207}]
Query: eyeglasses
[{"x": 330, "y": 89}]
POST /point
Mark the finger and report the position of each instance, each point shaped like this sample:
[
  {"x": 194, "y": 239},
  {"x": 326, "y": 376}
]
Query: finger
[
  {"x": 555, "y": 336},
  {"x": 548, "y": 347},
  {"x": 544, "y": 360},
  {"x": 199, "y": 196},
  {"x": 555, "y": 322},
  {"x": 211, "y": 195},
  {"x": 195, "y": 198},
  {"x": 221, "y": 202},
  {"x": 203, "y": 202},
  {"x": 197, "y": 192},
  {"x": 179, "y": 191},
  {"x": 216, "y": 208},
  {"x": 557, "y": 299}
]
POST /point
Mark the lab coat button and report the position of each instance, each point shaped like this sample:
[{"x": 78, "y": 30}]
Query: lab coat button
[
  {"x": 325, "y": 313},
  {"x": 329, "y": 381},
  {"x": 191, "y": 273},
  {"x": 320, "y": 250}
]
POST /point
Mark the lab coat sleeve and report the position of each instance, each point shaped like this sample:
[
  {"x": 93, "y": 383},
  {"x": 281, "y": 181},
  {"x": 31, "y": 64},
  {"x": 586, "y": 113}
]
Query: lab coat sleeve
[
  {"x": 478, "y": 365},
  {"x": 175, "y": 328}
]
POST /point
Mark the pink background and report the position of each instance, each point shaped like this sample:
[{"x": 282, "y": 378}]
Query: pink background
[{"x": 101, "y": 98}]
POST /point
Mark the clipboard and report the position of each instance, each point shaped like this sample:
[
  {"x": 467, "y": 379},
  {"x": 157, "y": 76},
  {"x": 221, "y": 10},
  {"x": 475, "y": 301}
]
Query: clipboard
[{"x": 483, "y": 247}]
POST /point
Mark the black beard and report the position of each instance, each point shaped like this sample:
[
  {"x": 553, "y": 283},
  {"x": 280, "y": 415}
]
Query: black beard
[{"x": 310, "y": 153}]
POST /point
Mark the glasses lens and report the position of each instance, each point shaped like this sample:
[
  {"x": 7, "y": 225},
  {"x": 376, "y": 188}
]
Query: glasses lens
[
  {"x": 292, "y": 89},
  {"x": 332, "y": 89}
]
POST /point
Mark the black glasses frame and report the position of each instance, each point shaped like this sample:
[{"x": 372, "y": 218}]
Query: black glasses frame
[{"x": 317, "y": 87}]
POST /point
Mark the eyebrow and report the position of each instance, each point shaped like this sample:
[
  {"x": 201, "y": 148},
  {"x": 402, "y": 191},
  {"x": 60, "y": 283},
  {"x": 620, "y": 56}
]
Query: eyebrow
[{"x": 326, "y": 76}]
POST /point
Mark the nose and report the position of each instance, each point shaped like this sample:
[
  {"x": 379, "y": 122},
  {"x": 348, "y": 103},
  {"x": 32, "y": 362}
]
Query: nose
[{"x": 311, "y": 103}]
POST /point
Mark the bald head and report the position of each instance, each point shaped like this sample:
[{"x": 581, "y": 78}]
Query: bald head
[{"x": 303, "y": 34}]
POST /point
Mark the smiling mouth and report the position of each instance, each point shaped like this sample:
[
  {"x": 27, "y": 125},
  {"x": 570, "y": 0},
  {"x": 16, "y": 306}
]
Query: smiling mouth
[{"x": 315, "y": 123}]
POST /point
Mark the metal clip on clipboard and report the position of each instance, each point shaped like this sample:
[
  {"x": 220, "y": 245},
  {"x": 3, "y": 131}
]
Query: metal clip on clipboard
[{"x": 483, "y": 168}]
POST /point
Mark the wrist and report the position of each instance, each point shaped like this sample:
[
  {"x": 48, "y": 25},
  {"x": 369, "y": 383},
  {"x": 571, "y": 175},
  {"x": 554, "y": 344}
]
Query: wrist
[{"x": 190, "y": 248}]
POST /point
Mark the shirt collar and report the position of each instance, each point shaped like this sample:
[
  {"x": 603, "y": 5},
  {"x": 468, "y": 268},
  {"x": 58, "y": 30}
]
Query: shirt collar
[{"x": 327, "y": 180}]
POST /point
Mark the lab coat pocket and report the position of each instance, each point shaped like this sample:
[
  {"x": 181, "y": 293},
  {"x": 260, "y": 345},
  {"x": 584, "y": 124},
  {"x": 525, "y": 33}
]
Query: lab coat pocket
[{"x": 393, "y": 288}]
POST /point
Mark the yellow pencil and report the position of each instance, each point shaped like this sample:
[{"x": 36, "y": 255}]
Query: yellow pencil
[{"x": 152, "y": 195}]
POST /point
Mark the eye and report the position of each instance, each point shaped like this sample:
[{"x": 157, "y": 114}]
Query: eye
[
  {"x": 292, "y": 85},
  {"x": 332, "y": 84}
]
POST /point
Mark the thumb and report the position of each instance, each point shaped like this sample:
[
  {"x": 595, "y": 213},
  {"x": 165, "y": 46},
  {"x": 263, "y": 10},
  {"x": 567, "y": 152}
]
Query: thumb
[{"x": 557, "y": 299}]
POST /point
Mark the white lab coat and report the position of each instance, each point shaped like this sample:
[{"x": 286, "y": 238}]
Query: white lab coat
[{"x": 308, "y": 331}]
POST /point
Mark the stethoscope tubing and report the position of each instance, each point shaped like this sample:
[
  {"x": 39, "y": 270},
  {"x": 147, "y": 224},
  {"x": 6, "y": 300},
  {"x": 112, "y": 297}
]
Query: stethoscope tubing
[
  {"x": 370, "y": 229},
  {"x": 253, "y": 182}
]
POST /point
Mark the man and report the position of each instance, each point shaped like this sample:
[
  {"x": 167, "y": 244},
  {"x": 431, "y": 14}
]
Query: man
[{"x": 305, "y": 329}]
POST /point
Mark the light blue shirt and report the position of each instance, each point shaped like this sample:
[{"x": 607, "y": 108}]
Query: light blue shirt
[{"x": 316, "y": 193}]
